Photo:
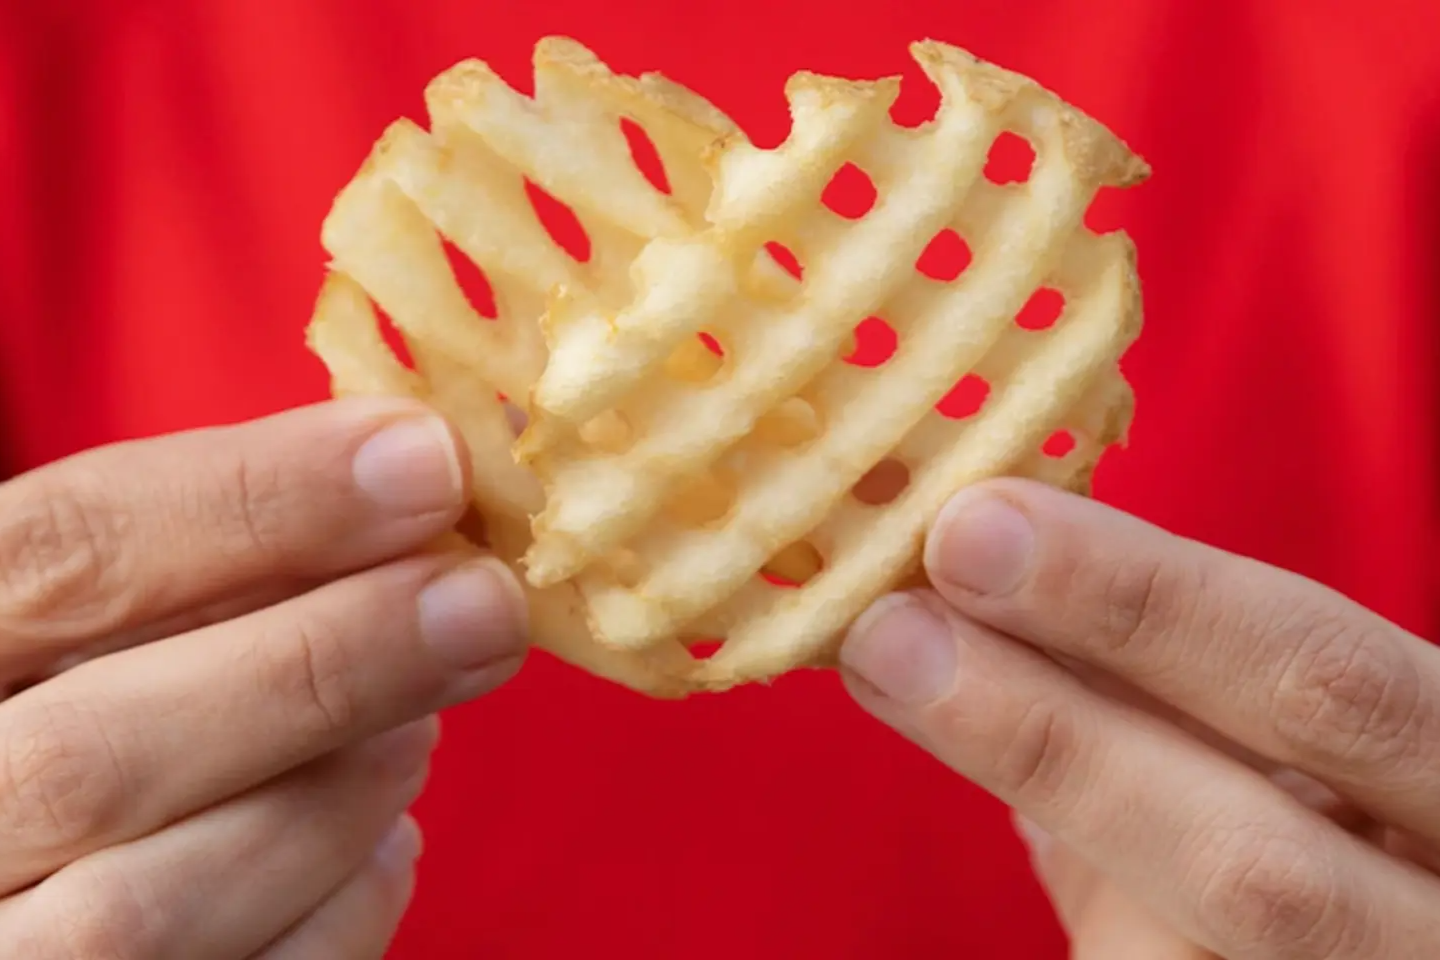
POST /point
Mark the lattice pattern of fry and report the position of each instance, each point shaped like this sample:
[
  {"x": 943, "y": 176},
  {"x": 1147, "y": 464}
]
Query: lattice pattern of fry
[
  {"x": 667, "y": 478},
  {"x": 464, "y": 182},
  {"x": 783, "y": 431}
]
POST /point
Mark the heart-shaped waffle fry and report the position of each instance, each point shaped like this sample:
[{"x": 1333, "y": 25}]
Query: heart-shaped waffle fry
[{"x": 669, "y": 486}]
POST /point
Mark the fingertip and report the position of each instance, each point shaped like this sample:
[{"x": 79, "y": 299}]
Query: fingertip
[
  {"x": 367, "y": 415},
  {"x": 901, "y": 651},
  {"x": 517, "y": 601},
  {"x": 412, "y": 466},
  {"x": 404, "y": 753},
  {"x": 475, "y": 617},
  {"x": 982, "y": 542},
  {"x": 1036, "y": 839},
  {"x": 400, "y": 848}
]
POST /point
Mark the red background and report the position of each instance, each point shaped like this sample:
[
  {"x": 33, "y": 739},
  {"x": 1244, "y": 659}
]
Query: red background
[{"x": 164, "y": 167}]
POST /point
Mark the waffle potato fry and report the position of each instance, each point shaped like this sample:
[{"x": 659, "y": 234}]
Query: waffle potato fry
[{"x": 662, "y": 488}]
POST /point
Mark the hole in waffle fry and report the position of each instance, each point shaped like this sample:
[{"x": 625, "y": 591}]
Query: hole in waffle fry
[
  {"x": 790, "y": 423},
  {"x": 514, "y": 417},
  {"x": 694, "y": 361},
  {"x": 473, "y": 282},
  {"x": 850, "y": 193},
  {"x": 1011, "y": 159},
  {"x": 608, "y": 432},
  {"x": 1106, "y": 211},
  {"x": 1041, "y": 310},
  {"x": 701, "y": 501},
  {"x": 625, "y": 567},
  {"x": 945, "y": 257},
  {"x": 883, "y": 483},
  {"x": 703, "y": 649},
  {"x": 965, "y": 398},
  {"x": 711, "y": 344},
  {"x": 783, "y": 255},
  {"x": 643, "y": 152},
  {"x": 873, "y": 342},
  {"x": 560, "y": 222},
  {"x": 918, "y": 100},
  {"x": 794, "y": 566},
  {"x": 393, "y": 338},
  {"x": 1059, "y": 444}
]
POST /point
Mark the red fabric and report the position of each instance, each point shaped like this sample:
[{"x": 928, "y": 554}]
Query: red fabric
[{"x": 165, "y": 166}]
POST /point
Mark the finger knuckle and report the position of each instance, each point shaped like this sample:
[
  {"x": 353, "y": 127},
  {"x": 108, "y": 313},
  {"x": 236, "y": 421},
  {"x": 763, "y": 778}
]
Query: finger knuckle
[
  {"x": 1040, "y": 758},
  {"x": 62, "y": 781},
  {"x": 1348, "y": 695},
  {"x": 254, "y": 511},
  {"x": 62, "y": 554},
  {"x": 1273, "y": 891},
  {"x": 310, "y": 670},
  {"x": 100, "y": 913},
  {"x": 1140, "y": 599}
]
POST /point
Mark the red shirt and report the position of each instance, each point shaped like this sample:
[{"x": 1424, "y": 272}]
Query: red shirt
[{"x": 164, "y": 168}]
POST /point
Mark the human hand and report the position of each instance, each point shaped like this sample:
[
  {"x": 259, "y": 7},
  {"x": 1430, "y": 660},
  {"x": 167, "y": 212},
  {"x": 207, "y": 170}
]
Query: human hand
[
  {"x": 1167, "y": 713},
  {"x": 265, "y": 641},
  {"x": 1104, "y": 923}
]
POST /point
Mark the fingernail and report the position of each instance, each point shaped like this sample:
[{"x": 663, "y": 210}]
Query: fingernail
[
  {"x": 411, "y": 467},
  {"x": 1036, "y": 840},
  {"x": 980, "y": 543},
  {"x": 903, "y": 650},
  {"x": 405, "y": 750},
  {"x": 401, "y": 847},
  {"x": 475, "y": 615}
]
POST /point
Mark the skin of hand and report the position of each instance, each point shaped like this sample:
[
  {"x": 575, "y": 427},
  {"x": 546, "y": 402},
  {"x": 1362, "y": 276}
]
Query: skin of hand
[
  {"x": 1213, "y": 757},
  {"x": 258, "y": 639}
]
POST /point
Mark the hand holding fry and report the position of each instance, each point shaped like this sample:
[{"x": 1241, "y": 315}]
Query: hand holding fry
[
  {"x": 262, "y": 635},
  {"x": 1167, "y": 713}
]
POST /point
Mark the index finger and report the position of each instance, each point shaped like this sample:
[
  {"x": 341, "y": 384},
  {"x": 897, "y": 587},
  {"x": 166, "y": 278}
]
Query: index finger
[
  {"x": 125, "y": 535},
  {"x": 1274, "y": 661}
]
